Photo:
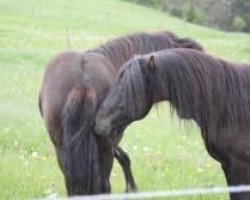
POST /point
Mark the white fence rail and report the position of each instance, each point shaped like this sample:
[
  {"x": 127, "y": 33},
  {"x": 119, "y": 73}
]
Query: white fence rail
[{"x": 165, "y": 194}]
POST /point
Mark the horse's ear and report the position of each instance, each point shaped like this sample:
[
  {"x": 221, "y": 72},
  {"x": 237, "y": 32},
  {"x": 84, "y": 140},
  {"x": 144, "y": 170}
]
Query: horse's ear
[{"x": 151, "y": 64}]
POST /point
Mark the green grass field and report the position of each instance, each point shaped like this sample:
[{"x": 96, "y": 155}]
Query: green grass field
[{"x": 165, "y": 153}]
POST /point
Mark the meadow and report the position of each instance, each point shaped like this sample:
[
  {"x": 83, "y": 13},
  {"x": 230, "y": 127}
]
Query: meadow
[{"x": 166, "y": 153}]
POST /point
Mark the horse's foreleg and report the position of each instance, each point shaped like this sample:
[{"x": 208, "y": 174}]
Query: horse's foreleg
[
  {"x": 229, "y": 180},
  {"x": 237, "y": 174},
  {"x": 124, "y": 161}
]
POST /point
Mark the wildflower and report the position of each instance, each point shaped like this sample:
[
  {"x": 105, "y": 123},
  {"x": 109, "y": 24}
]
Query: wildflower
[{"x": 34, "y": 154}]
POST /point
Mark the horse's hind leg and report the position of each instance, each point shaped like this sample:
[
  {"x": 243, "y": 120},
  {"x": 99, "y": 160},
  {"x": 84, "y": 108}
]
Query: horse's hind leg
[{"x": 124, "y": 161}]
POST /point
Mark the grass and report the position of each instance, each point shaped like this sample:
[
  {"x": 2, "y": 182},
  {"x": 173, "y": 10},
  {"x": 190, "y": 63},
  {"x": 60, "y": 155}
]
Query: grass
[{"x": 165, "y": 153}]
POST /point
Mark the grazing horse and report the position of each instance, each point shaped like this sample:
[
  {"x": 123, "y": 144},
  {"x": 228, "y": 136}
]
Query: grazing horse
[
  {"x": 212, "y": 92},
  {"x": 74, "y": 85}
]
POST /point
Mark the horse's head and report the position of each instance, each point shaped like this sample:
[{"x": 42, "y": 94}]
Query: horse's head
[
  {"x": 86, "y": 164},
  {"x": 130, "y": 98}
]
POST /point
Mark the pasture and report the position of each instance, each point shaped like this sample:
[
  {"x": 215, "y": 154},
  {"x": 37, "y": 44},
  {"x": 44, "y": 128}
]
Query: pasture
[{"x": 165, "y": 153}]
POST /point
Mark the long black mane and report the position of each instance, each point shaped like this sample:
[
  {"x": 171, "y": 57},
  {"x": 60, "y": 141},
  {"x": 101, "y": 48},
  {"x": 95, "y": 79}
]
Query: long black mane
[
  {"x": 121, "y": 49},
  {"x": 210, "y": 91}
]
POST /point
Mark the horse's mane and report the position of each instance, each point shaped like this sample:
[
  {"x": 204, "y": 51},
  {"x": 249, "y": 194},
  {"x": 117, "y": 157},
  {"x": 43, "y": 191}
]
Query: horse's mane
[
  {"x": 210, "y": 91},
  {"x": 121, "y": 49}
]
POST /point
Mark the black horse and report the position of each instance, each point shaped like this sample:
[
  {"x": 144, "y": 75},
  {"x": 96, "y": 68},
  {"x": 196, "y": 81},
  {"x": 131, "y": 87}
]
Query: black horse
[
  {"x": 212, "y": 92},
  {"x": 74, "y": 85}
]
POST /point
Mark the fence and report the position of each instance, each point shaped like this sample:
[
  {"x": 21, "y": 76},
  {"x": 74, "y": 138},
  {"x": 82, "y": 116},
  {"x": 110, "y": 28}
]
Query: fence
[{"x": 165, "y": 194}]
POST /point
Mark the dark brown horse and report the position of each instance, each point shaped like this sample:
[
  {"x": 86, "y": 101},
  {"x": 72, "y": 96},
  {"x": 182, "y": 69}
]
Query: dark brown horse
[
  {"x": 212, "y": 92},
  {"x": 74, "y": 85}
]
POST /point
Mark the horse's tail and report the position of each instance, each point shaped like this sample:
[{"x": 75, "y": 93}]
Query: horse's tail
[{"x": 79, "y": 143}]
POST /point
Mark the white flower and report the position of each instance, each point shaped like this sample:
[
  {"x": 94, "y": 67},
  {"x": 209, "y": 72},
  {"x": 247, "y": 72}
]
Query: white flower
[
  {"x": 15, "y": 143},
  {"x": 52, "y": 196},
  {"x": 135, "y": 147},
  {"x": 34, "y": 154},
  {"x": 145, "y": 149}
]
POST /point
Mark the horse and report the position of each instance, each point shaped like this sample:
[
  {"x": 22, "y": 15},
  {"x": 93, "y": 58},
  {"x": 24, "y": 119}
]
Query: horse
[
  {"x": 74, "y": 85},
  {"x": 212, "y": 92}
]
